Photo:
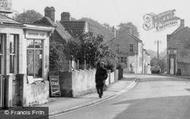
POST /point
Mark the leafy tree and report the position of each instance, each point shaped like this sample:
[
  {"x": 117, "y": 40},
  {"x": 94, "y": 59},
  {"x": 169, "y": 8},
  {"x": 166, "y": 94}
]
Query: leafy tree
[
  {"x": 28, "y": 16},
  {"x": 127, "y": 27},
  {"x": 159, "y": 62},
  {"x": 154, "y": 61},
  {"x": 90, "y": 48}
]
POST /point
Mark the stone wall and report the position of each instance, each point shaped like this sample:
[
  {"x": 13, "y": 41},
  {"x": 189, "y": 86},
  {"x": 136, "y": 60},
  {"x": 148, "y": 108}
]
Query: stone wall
[
  {"x": 81, "y": 82},
  {"x": 65, "y": 80},
  {"x": 36, "y": 93},
  {"x": 28, "y": 94}
]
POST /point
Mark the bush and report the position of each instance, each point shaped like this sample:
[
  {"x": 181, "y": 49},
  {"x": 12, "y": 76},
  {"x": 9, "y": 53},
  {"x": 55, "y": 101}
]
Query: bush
[
  {"x": 110, "y": 63},
  {"x": 121, "y": 66}
]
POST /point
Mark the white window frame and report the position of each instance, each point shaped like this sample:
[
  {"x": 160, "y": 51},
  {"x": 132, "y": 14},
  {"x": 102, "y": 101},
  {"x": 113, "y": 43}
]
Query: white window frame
[{"x": 34, "y": 78}]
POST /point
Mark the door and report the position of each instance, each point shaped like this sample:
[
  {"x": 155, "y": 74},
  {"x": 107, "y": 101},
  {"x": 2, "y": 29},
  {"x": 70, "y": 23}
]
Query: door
[
  {"x": 172, "y": 69},
  {"x": 172, "y": 64}
]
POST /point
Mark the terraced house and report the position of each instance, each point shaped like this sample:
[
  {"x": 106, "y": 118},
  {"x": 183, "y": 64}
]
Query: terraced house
[
  {"x": 129, "y": 49},
  {"x": 178, "y": 51}
]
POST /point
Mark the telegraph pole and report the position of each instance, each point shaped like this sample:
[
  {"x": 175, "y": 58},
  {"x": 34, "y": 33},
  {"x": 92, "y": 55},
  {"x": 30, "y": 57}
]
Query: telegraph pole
[{"x": 158, "y": 48}]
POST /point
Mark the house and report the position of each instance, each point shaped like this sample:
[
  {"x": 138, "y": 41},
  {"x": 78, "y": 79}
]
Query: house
[
  {"x": 75, "y": 28},
  {"x": 60, "y": 34},
  {"x": 129, "y": 49},
  {"x": 24, "y": 59},
  {"x": 178, "y": 51}
]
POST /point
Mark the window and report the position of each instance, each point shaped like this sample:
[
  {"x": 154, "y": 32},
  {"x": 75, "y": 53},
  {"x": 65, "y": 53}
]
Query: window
[
  {"x": 12, "y": 50},
  {"x": 2, "y": 40},
  {"x": 34, "y": 58},
  {"x": 121, "y": 59},
  {"x": 131, "y": 48}
]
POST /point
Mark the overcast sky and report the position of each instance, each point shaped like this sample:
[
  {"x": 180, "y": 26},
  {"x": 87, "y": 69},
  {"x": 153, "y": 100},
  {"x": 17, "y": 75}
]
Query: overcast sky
[{"x": 114, "y": 12}]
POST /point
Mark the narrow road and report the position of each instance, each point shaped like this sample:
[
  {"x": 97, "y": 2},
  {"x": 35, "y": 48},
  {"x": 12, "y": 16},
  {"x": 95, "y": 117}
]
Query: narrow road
[{"x": 154, "y": 97}]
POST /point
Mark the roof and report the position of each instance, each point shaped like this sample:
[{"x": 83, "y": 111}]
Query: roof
[
  {"x": 62, "y": 32},
  {"x": 178, "y": 30},
  {"x": 75, "y": 28},
  {"x": 134, "y": 37},
  {"x": 46, "y": 21},
  {"x": 5, "y": 20},
  {"x": 114, "y": 39}
]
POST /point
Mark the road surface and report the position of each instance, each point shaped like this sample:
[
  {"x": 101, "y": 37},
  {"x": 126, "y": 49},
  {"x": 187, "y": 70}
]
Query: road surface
[{"x": 154, "y": 97}]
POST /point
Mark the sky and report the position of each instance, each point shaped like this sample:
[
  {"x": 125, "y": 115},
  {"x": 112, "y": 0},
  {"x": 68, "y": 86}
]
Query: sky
[{"x": 114, "y": 12}]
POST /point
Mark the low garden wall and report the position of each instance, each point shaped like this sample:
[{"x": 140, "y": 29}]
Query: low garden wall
[
  {"x": 28, "y": 94},
  {"x": 80, "y": 82}
]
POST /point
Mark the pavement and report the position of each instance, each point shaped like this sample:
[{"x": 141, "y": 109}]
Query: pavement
[
  {"x": 64, "y": 104},
  {"x": 139, "y": 76}
]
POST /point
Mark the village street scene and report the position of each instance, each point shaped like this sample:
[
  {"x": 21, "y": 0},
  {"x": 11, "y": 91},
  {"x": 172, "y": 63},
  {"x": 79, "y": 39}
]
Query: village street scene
[{"x": 94, "y": 59}]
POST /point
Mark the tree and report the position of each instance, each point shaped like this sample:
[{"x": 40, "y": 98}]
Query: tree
[
  {"x": 128, "y": 27},
  {"x": 90, "y": 48},
  {"x": 28, "y": 16},
  {"x": 162, "y": 63}
]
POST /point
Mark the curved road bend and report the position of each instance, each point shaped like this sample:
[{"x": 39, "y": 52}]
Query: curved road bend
[{"x": 154, "y": 97}]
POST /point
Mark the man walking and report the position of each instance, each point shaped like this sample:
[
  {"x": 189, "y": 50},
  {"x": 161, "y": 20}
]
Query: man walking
[{"x": 100, "y": 77}]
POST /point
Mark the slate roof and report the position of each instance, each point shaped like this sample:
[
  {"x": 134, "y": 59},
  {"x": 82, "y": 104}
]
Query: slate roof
[
  {"x": 46, "y": 21},
  {"x": 5, "y": 20},
  {"x": 178, "y": 30},
  {"x": 75, "y": 28},
  {"x": 62, "y": 32},
  {"x": 136, "y": 38}
]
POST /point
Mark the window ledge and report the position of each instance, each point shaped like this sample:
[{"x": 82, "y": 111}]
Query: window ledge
[{"x": 31, "y": 79}]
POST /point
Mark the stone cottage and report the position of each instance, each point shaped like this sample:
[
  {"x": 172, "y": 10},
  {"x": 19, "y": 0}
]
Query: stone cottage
[
  {"x": 129, "y": 49},
  {"x": 178, "y": 51}
]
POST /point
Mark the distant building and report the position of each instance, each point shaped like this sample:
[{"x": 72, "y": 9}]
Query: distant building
[
  {"x": 146, "y": 62},
  {"x": 178, "y": 51},
  {"x": 75, "y": 28},
  {"x": 129, "y": 49}
]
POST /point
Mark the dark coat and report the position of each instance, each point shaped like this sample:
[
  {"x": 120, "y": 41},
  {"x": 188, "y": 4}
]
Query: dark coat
[{"x": 101, "y": 76}]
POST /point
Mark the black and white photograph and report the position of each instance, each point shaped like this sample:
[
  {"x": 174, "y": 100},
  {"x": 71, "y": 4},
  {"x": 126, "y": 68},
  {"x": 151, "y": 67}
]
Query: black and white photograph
[{"x": 94, "y": 59}]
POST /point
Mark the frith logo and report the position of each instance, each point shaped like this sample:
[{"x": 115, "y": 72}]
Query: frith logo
[
  {"x": 5, "y": 6},
  {"x": 160, "y": 21}
]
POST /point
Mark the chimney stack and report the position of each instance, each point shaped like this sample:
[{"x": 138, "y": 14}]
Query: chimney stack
[
  {"x": 130, "y": 31},
  {"x": 50, "y": 12},
  {"x": 65, "y": 16},
  {"x": 182, "y": 23}
]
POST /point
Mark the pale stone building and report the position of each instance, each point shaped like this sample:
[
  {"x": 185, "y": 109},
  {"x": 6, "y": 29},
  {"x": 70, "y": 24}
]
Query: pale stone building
[{"x": 178, "y": 51}]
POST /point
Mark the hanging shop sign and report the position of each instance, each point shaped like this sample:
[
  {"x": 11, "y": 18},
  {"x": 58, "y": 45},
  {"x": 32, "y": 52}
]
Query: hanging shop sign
[
  {"x": 5, "y": 6},
  {"x": 160, "y": 21}
]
